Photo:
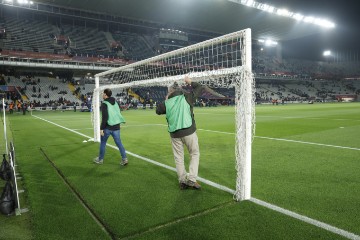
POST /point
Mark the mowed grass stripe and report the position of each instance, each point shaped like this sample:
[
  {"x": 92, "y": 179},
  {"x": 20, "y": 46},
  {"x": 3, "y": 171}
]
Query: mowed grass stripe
[{"x": 91, "y": 212}]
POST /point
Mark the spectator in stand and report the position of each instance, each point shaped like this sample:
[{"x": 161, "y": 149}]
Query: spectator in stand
[
  {"x": 18, "y": 105},
  {"x": 11, "y": 108},
  {"x": 24, "y": 107}
]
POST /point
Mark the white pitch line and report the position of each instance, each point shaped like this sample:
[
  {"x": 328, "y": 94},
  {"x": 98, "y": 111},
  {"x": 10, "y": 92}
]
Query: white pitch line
[
  {"x": 205, "y": 130},
  {"x": 311, "y": 143},
  {"x": 61, "y": 126},
  {"x": 289, "y": 140},
  {"x": 276, "y": 139},
  {"x": 310, "y": 118},
  {"x": 308, "y": 220},
  {"x": 123, "y": 126}
]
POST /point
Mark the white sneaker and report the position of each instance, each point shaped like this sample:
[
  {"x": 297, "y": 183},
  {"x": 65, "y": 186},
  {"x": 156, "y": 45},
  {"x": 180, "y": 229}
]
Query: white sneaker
[
  {"x": 124, "y": 162},
  {"x": 98, "y": 161}
]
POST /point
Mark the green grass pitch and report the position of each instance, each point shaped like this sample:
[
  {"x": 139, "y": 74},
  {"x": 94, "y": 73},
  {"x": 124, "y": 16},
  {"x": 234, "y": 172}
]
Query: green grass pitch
[{"x": 305, "y": 159}]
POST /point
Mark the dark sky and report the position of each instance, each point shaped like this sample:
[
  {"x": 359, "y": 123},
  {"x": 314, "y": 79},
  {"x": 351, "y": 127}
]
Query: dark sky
[{"x": 344, "y": 38}]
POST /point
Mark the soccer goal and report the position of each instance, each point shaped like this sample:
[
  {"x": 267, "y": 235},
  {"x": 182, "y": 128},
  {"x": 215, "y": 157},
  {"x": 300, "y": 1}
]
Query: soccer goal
[{"x": 222, "y": 62}]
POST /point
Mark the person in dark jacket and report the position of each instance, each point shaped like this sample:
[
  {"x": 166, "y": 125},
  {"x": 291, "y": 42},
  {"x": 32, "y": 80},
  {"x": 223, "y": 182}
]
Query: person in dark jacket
[
  {"x": 178, "y": 108},
  {"x": 110, "y": 125}
]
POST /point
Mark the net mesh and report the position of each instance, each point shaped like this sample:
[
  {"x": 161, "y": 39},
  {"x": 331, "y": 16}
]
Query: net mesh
[{"x": 223, "y": 62}]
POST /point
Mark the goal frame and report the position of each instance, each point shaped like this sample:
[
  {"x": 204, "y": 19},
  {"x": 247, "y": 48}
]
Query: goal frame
[{"x": 244, "y": 107}]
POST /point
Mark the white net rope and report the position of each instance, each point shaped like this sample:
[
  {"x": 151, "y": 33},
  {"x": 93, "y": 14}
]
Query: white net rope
[{"x": 223, "y": 62}]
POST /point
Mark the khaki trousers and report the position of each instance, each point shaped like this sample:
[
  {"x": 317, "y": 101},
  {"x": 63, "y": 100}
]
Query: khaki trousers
[{"x": 192, "y": 145}]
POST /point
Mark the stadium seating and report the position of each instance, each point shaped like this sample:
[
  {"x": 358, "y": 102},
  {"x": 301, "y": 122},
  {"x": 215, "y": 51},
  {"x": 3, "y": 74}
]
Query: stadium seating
[
  {"x": 289, "y": 79},
  {"x": 29, "y": 35},
  {"x": 135, "y": 46}
]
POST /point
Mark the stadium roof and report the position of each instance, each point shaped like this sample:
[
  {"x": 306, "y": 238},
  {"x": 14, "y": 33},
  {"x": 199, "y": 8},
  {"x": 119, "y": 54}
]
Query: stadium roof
[{"x": 219, "y": 16}]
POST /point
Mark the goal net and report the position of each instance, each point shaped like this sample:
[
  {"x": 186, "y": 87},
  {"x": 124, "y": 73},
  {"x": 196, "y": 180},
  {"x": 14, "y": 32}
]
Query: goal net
[{"x": 222, "y": 62}]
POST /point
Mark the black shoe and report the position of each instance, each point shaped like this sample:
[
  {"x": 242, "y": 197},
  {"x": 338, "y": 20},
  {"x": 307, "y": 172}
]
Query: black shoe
[
  {"x": 183, "y": 186},
  {"x": 193, "y": 185}
]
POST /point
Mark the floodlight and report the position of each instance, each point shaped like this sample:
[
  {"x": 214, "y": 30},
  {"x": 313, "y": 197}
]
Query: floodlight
[
  {"x": 265, "y": 7},
  {"x": 271, "y": 9},
  {"x": 318, "y": 21},
  {"x": 329, "y": 24},
  {"x": 286, "y": 13},
  {"x": 250, "y": 2},
  {"x": 270, "y": 42},
  {"x": 309, "y": 19},
  {"x": 298, "y": 16},
  {"x": 327, "y": 53},
  {"x": 281, "y": 12},
  {"x": 324, "y": 23}
]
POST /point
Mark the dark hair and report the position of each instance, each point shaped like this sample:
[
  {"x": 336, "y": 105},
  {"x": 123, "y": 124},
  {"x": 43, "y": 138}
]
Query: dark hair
[{"x": 108, "y": 92}]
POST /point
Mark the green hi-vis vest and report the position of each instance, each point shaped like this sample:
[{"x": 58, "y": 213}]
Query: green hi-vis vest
[
  {"x": 115, "y": 116},
  {"x": 178, "y": 113}
]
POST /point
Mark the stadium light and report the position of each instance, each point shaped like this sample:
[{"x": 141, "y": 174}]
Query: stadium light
[
  {"x": 286, "y": 13},
  {"x": 327, "y": 53},
  {"x": 250, "y": 3},
  {"x": 298, "y": 16},
  {"x": 24, "y": 2},
  {"x": 324, "y": 23},
  {"x": 268, "y": 42},
  {"x": 309, "y": 19},
  {"x": 264, "y": 7},
  {"x": 329, "y": 56}
]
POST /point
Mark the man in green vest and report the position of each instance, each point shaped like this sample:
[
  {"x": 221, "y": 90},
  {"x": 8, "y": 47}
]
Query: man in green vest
[
  {"x": 178, "y": 107},
  {"x": 111, "y": 119}
]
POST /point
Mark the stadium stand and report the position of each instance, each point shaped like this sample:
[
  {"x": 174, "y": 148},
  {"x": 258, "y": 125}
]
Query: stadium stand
[
  {"x": 290, "y": 80},
  {"x": 28, "y": 35},
  {"x": 135, "y": 46}
]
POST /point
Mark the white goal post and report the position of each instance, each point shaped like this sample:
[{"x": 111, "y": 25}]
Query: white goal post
[{"x": 224, "y": 62}]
